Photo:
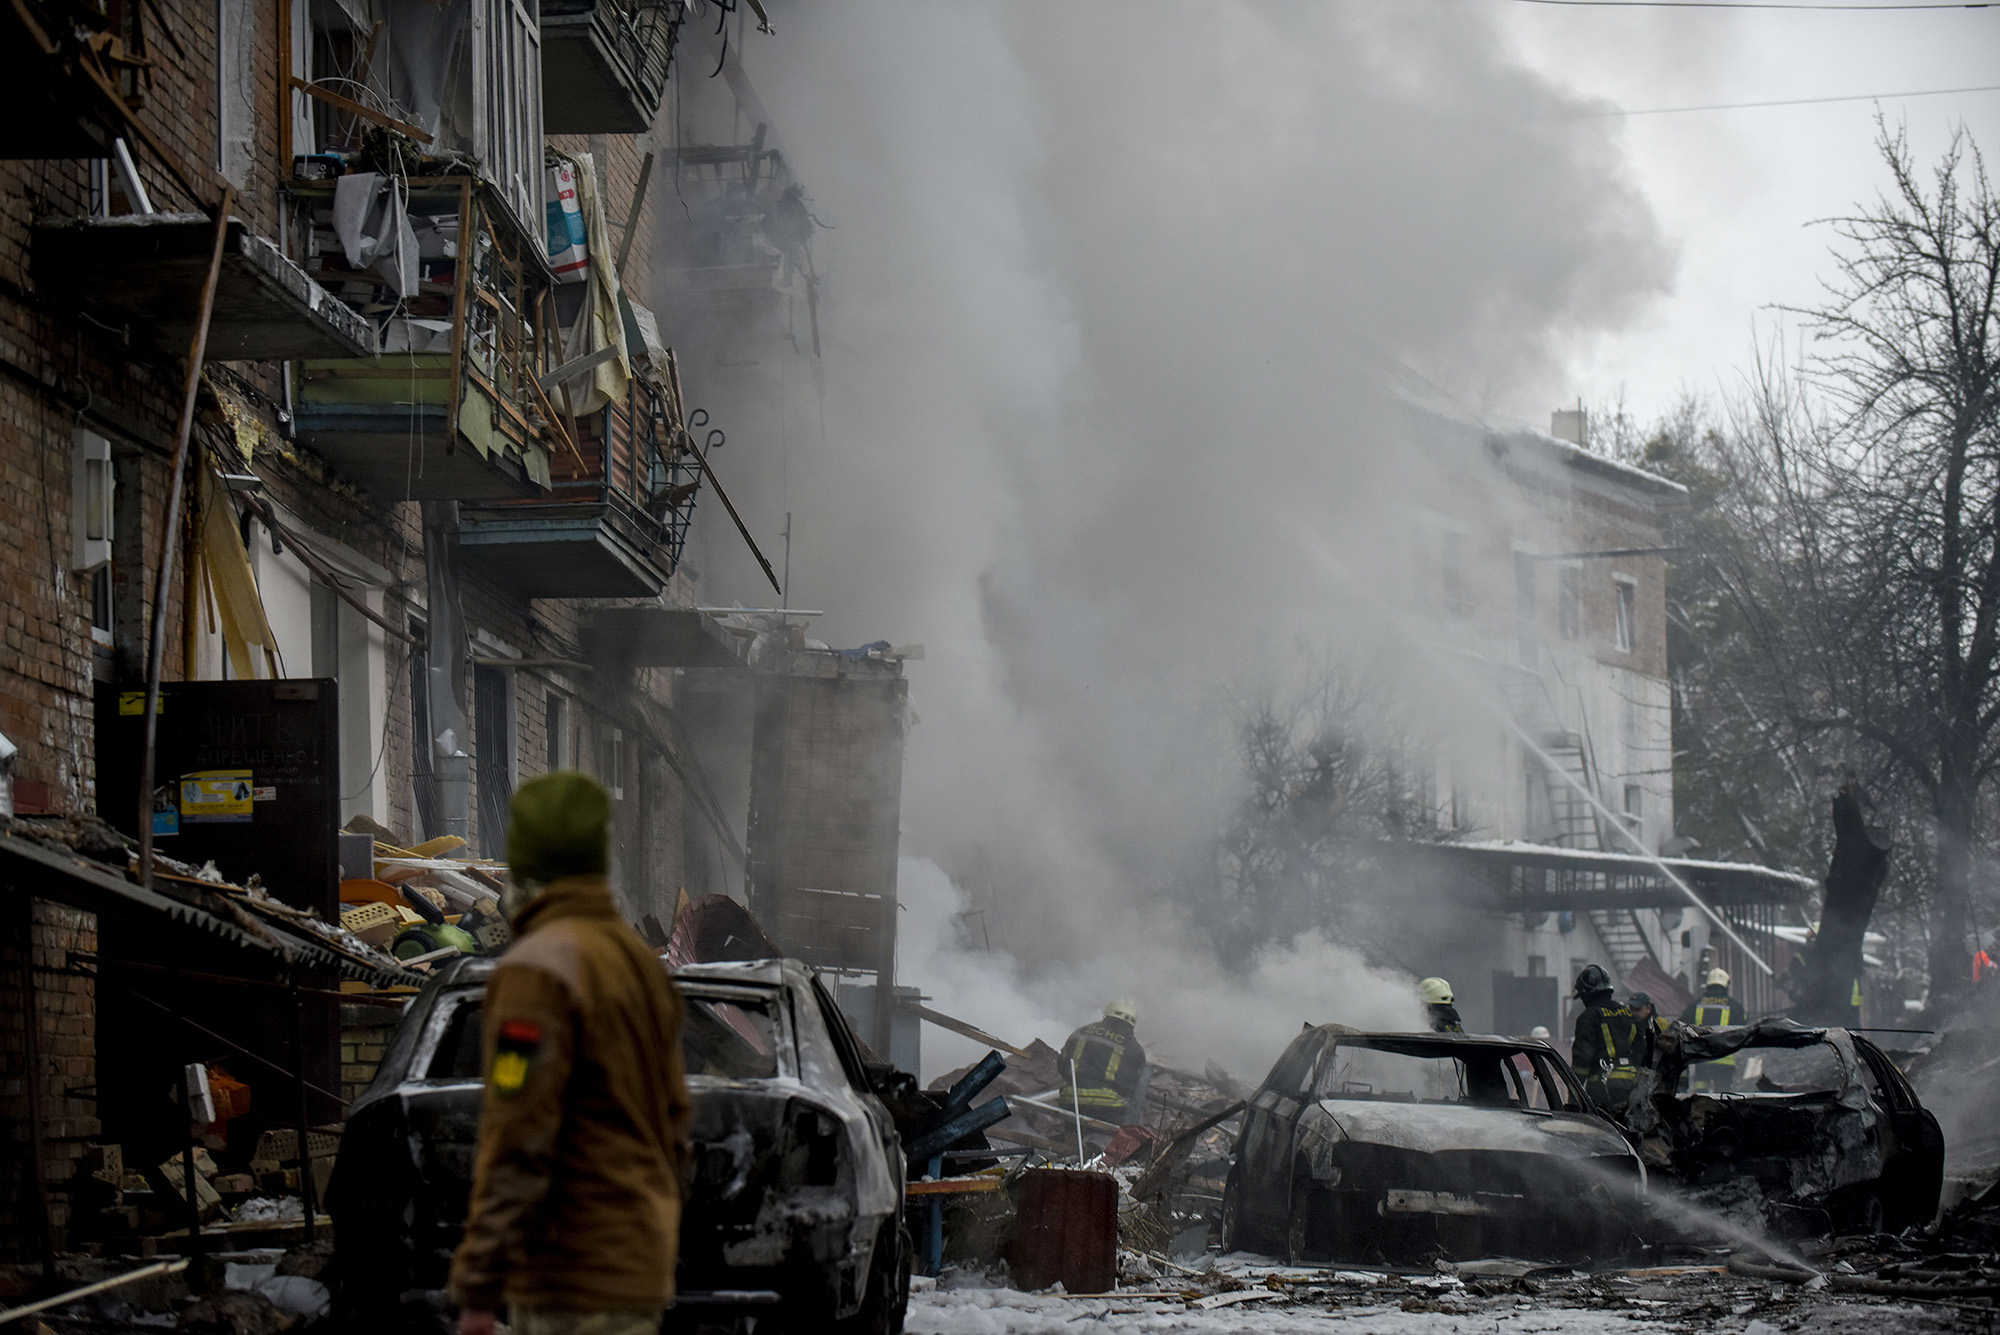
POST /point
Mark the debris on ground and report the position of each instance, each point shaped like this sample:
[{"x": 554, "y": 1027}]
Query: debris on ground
[{"x": 1244, "y": 1292}]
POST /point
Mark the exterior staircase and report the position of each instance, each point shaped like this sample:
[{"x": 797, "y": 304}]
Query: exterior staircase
[{"x": 1569, "y": 771}]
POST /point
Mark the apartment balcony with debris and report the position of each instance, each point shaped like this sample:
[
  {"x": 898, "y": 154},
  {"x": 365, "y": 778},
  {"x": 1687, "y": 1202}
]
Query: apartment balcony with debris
[
  {"x": 739, "y": 248},
  {"x": 616, "y": 513},
  {"x": 461, "y": 310},
  {"x": 605, "y": 63}
]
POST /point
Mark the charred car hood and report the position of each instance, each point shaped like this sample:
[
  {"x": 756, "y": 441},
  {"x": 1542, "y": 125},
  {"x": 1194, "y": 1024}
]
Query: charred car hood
[{"x": 1430, "y": 1128}]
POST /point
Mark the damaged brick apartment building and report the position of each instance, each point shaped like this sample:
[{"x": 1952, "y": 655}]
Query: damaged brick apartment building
[{"x": 409, "y": 532}]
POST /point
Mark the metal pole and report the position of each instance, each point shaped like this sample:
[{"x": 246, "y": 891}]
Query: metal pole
[
  {"x": 170, "y": 536},
  {"x": 36, "y": 1083},
  {"x": 446, "y": 649},
  {"x": 1076, "y": 1106},
  {"x": 306, "y": 1184},
  {"x": 188, "y": 1175}
]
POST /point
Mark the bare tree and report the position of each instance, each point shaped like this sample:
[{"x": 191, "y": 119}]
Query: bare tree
[
  {"x": 1326, "y": 776},
  {"x": 1911, "y": 357},
  {"x": 1858, "y": 554}
]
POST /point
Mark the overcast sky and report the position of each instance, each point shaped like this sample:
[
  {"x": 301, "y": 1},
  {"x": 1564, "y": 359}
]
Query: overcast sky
[{"x": 1737, "y": 191}]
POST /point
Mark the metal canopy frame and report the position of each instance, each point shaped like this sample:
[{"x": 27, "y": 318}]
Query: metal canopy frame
[{"x": 1537, "y": 878}]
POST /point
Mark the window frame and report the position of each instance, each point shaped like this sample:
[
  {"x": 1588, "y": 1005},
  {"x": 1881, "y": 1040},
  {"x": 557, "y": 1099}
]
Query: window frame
[{"x": 1625, "y": 613}]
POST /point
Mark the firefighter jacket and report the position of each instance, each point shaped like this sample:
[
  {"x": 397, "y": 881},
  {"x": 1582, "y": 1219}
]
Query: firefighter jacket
[
  {"x": 1444, "y": 1018},
  {"x": 1110, "y": 1064},
  {"x": 576, "y": 1189},
  {"x": 1607, "y": 1046},
  {"x": 1716, "y": 1009}
]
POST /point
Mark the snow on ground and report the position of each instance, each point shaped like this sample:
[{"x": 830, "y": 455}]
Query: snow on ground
[
  {"x": 1241, "y": 1293},
  {"x": 1011, "y": 1312}
]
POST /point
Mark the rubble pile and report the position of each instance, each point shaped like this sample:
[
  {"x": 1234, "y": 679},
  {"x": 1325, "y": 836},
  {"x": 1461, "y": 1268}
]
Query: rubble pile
[{"x": 1169, "y": 1165}]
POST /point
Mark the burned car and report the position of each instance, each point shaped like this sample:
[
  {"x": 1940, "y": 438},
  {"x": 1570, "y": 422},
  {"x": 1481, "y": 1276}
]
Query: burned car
[
  {"x": 1816, "y": 1130},
  {"x": 793, "y": 1205},
  {"x": 1407, "y": 1148}
]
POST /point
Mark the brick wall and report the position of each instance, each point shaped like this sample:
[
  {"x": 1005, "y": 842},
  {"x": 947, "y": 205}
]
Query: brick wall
[
  {"x": 56, "y": 370},
  {"x": 364, "y": 1036},
  {"x": 41, "y": 940}
]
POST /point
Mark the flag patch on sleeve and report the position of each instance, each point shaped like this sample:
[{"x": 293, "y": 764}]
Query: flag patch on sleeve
[{"x": 514, "y": 1054}]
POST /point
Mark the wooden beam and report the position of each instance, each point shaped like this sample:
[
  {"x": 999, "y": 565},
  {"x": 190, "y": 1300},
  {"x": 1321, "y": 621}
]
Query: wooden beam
[
  {"x": 361, "y": 109},
  {"x": 170, "y": 534}
]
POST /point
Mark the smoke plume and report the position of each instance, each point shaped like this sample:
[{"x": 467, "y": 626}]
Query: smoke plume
[{"x": 1110, "y": 294}]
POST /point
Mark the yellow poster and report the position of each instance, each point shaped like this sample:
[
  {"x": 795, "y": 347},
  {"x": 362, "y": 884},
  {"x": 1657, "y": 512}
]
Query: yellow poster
[
  {"x": 216, "y": 797},
  {"x": 134, "y": 702}
]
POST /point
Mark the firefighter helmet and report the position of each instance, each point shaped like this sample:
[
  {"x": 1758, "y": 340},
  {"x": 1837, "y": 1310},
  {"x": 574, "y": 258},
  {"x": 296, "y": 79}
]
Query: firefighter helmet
[
  {"x": 1435, "y": 991},
  {"x": 1124, "y": 1008},
  {"x": 1718, "y": 978},
  {"x": 1591, "y": 980}
]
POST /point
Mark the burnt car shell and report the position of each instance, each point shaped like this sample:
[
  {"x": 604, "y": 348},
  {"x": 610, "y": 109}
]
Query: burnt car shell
[
  {"x": 794, "y": 1192},
  {"x": 1826, "y": 1134},
  {"x": 1499, "y": 1155}
]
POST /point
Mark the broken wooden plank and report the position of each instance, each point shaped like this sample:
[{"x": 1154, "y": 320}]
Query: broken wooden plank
[{"x": 973, "y": 1032}]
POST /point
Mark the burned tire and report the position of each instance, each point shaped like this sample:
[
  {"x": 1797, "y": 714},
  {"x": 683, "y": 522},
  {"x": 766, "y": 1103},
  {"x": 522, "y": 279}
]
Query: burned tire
[
  {"x": 1306, "y": 1237},
  {"x": 887, "y": 1299},
  {"x": 1232, "y": 1214}
]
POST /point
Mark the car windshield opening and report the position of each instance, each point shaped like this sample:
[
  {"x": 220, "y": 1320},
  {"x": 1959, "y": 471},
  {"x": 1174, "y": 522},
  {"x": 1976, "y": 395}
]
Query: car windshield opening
[
  {"x": 1492, "y": 1077},
  {"x": 730, "y": 1036}
]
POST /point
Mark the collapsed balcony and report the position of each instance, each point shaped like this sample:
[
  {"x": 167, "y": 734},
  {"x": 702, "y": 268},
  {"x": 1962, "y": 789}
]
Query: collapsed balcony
[
  {"x": 605, "y": 63},
  {"x": 462, "y": 310}
]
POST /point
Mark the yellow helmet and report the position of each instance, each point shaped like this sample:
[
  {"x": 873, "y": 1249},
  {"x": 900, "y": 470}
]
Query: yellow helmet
[
  {"x": 1718, "y": 978},
  {"x": 1436, "y": 991},
  {"x": 1124, "y": 1008}
]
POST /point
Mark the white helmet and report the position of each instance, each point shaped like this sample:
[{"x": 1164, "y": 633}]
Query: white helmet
[
  {"x": 1718, "y": 978},
  {"x": 1124, "y": 1008},
  {"x": 1436, "y": 991}
]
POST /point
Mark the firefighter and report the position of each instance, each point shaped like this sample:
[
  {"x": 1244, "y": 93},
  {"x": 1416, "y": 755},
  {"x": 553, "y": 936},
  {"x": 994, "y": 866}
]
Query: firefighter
[
  {"x": 1714, "y": 1009},
  {"x": 1438, "y": 1000},
  {"x": 1104, "y": 1066},
  {"x": 574, "y": 1219},
  {"x": 1606, "y": 1045}
]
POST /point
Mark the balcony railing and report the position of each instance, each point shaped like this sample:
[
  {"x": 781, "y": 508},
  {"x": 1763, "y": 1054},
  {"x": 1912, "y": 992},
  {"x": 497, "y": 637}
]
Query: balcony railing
[
  {"x": 452, "y": 407},
  {"x": 605, "y": 63},
  {"x": 616, "y": 514}
]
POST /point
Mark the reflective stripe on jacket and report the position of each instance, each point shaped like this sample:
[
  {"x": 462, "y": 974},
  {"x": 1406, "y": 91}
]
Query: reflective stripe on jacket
[
  {"x": 1716, "y": 1012},
  {"x": 1605, "y": 1045},
  {"x": 1109, "y": 1064}
]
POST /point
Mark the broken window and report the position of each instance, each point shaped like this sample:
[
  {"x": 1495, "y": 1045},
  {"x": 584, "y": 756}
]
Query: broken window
[
  {"x": 456, "y": 1056},
  {"x": 730, "y": 1036},
  {"x": 462, "y": 76},
  {"x": 1624, "y": 631}
]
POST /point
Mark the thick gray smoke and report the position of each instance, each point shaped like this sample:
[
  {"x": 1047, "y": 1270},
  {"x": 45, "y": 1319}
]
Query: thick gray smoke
[{"x": 1107, "y": 295}]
